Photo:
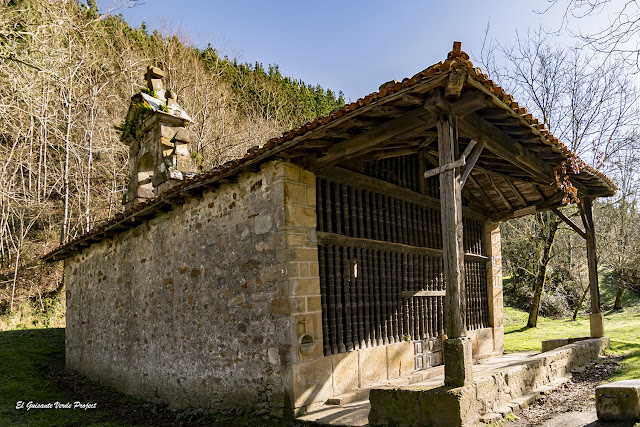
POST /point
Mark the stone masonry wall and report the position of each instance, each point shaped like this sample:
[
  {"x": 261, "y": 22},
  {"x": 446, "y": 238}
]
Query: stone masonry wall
[
  {"x": 494, "y": 282},
  {"x": 192, "y": 307}
]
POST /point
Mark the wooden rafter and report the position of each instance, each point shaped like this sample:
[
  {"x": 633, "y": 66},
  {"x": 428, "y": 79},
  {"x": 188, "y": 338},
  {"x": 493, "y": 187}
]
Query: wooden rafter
[
  {"x": 474, "y": 126},
  {"x": 483, "y": 194}
]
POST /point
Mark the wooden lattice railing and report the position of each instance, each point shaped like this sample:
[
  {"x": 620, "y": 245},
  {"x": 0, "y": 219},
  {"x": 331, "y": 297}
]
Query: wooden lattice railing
[{"x": 381, "y": 272}]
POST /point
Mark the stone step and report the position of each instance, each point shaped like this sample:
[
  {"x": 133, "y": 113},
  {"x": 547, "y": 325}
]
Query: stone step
[
  {"x": 363, "y": 393},
  {"x": 519, "y": 403}
]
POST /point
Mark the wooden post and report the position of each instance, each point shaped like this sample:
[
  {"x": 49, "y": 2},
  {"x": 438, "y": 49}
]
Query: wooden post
[
  {"x": 451, "y": 218},
  {"x": 596, "y": 320},
  {"x": 457, "y": 348}
]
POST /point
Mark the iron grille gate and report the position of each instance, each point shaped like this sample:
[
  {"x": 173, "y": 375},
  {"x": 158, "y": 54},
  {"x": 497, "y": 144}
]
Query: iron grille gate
[{"x": 381, "y": 271}]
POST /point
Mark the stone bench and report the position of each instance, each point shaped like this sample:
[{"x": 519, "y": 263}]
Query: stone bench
[{"x": 619, "y": 401}]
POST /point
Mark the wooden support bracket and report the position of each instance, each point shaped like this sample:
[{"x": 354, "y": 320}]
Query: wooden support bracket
[
  {"x": 457, "y": 164},
  {"x": 569, "y": 223}
]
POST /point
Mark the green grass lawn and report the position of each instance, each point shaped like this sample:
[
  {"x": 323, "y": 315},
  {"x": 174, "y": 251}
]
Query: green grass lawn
[
  {"x": 24, "y": 357},
  {"x": 32, "y": 370},
  {"x": 622, "y": 327}
]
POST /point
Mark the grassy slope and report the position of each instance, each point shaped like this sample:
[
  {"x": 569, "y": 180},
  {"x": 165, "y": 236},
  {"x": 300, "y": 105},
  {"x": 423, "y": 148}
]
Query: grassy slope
[
  {"x": 623, "y": 327},
  {"x": 32, "y": 369},
  {"x": 23, "y": 356}
]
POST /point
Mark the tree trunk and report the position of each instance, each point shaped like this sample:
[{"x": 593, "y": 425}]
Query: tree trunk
[
  {"x": 579, "y": 305},
  {"x": 618, "y": 304},
  {"x": 552, "y": 223}
]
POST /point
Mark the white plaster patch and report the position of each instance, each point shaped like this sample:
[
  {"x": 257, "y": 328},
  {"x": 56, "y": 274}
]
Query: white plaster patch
[
  {"x": 274, "y": 357},
  {"x": 263, "y": 223}
]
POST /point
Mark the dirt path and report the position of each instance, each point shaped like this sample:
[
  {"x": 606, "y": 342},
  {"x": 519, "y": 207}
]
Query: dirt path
[{"x": 572, "y": 405}]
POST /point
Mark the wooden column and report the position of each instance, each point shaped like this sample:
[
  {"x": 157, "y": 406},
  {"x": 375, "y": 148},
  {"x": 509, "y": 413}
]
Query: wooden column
[
  {"x": 451, "y": 218},
  {"x": 596, "y": 319},
  {"x": 457, "y": 348}
]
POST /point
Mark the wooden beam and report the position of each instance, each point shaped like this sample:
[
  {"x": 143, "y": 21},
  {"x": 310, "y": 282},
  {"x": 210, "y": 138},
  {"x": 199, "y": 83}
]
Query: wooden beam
[
  {"x": 385, "y": 154},
  {"x": 538, "y": 207},
  {"x": 569, "y": 223},
  {"x": 483, "y": 194},
  {"x": 410, "y": 294},
  {"x": 471, "y": 162},
  {"x": 369, "y": 139},
  {"x": 474, "y": 126},
  {"x": 497, "y": 190},
  {"x": 516, "y": 192}
]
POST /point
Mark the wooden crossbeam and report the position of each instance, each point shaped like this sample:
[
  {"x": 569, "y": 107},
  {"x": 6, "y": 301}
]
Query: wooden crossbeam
[
  {"x": 367, "y": 140},
  {"x": 569, "y": 222},
  {"x": 409, "y": 294},
  {"x": 538, "y": 207},
  {"x": 474, "y": 126}
]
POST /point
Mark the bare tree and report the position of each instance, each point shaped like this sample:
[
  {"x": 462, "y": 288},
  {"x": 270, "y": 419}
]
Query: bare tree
[{"x": 583, "y": 98}]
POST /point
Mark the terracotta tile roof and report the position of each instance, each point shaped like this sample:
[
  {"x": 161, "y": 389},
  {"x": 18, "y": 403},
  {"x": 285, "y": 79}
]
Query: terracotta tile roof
[{"x": 456, "y": 59}]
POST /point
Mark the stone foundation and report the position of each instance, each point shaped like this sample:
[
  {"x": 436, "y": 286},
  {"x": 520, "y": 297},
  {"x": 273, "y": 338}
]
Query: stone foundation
[{"x": 462, "y": 406}]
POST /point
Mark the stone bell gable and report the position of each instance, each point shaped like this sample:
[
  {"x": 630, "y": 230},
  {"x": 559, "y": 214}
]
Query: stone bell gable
[{"x": 159, "y": 142}]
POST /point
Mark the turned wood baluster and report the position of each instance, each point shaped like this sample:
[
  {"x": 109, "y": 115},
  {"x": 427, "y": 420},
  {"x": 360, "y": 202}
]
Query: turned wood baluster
[
  {"x": 402, "y": 273},
  {"x": 398, "y": 220},
  {"x": 387, "y": 218},
  {"x": 382, "y": 259},
  {"x": 478, "y": 286},
  {"x": 414, "y": 172},
  {"x": 327, "y": 206},
  {"x": 353, "y": 211},
  {"x": 423, "y": 300},
  {"x": 319, "y": 204},
  {"x": 432, "y": 229},
  {"x": 391, "y": 305},
  {"x": 366, "y": 276},
  {"x": 338, "y": 212},
  {"x": 411, "y": 285},
  {"x": 353, "y": 295},
  {"x": 420, "y": 225},
  {"x": 339, "y": 292},
  {"x": 392, "y": 219},
  {"x": 344, "y": 194},
  {"x": 469, "y": 299},
  {"x": 397, "y": 297},
  {"x": 438, "y": 230},
  {"x": 441, "y": 287},
  {"x": 372, "y": 262},
  {"x": 324, "y": 292},
  {"x": 476, "y": 299},
  {"x": 333, "y": 315},
  {"x": 360, "y": 214},
  {"x": 414, "y": 224},
  {"x": 430, "y": 287},
  {"x": 374, "y": 216},
  {"x": 381, "y": 209},
  {"x": 367, "y": 211},
  {"x": 360, "y": 297},
  {"x": 405, "y": 219},
  {"x": 378, "y": 303},
  {"x": 347, "y": 273}
]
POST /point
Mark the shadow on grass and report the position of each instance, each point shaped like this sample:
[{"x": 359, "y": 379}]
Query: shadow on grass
[
  {"x": 32, "y": 370},
  {"x": 522, "y": 329}
]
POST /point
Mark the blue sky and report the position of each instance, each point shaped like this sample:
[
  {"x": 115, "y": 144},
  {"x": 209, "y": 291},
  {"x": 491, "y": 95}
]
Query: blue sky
[{"x": 347, "y": 45}]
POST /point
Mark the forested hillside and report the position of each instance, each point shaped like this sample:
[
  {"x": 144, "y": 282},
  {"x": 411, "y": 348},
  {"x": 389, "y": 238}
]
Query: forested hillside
[{"x": 66, "y": 76}]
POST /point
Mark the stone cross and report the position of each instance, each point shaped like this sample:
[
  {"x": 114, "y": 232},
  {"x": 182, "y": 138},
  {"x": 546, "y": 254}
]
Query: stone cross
[{"x": 154, "y": 76}]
